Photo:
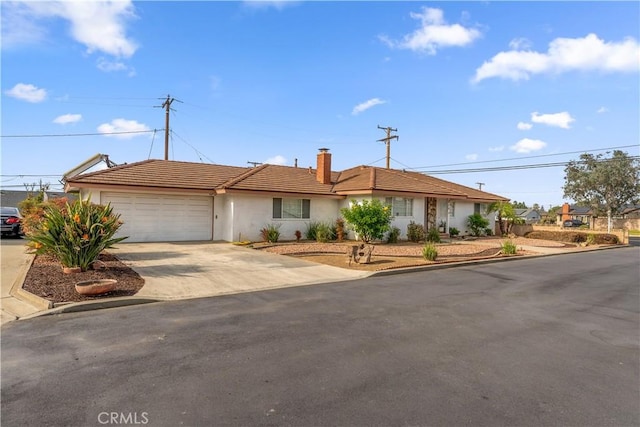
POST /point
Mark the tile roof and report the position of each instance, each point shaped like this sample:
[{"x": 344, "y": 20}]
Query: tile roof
[
  {"x": 279, "y": 179},
  {"x": 370, "y": 179},
  {"x": 172, "y": 175},
  {"x": 161, "y": 174}
]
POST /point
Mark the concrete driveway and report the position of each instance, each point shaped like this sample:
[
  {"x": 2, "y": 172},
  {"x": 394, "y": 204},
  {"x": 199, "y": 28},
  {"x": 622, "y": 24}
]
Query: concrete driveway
[{"x": 203, "y": 269}]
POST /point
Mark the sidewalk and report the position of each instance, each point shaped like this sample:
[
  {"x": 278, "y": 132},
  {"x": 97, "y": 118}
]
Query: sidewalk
[{"x": 15, "y": 265}]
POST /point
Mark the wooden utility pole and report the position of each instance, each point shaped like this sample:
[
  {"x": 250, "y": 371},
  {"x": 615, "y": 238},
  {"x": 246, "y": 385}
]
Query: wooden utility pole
[
  {"x": 387, "y": 141},
  {"x": 167, "y": 106}
]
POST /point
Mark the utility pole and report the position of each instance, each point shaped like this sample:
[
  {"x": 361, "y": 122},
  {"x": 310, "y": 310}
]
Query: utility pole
[
  {"x": 167, "y": 106},
  {"x": 480, "y": 184},
  {"x": 387, "y": 141}
]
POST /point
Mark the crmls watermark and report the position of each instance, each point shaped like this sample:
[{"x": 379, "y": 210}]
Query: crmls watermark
[{"x": 123, "y": 418}]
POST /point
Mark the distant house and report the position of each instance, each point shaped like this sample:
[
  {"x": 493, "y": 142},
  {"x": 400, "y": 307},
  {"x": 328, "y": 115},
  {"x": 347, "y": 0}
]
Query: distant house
[
  {"x": 163, "y": 200},
  {"x": 529, "y": 216},
  {"x": 582, "y": 213},
  {"x": 13, "y": 197}
]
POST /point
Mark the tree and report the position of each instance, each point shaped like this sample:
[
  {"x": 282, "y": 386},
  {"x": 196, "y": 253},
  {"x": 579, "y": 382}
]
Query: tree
[
  {"x": 519, "y": 205},
  {"x": 505, "y": 215},
  {"x": 369, "y": 219},
  {"x": 603, "y": 184}
]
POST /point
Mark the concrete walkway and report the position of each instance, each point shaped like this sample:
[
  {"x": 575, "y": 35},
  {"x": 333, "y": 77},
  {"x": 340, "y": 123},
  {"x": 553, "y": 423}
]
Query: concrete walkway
[
  {"x": 194, "y": 270},
  {"x": 15, "y": 263}
]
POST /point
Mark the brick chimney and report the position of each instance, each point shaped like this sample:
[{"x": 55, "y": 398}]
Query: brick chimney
[
  {"x": 565, "y": 212},
  {"x": 323, "y": 172}
]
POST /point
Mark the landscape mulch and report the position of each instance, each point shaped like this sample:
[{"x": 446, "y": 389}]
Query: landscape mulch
[{"x": 46, "y": 279}]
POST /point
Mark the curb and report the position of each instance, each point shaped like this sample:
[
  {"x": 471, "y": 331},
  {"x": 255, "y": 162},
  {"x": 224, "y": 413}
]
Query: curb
[
  {"x": 482, "y": 261},
  {"x": 133, "y": 300},
  {"x": 17, "y": 292},
  {"x": 93, "y": 305}
]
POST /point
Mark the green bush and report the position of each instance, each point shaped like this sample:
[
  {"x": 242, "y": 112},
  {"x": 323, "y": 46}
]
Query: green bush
[
  {"x": 477, "y": 224},
  {"x": 591, "y": 239},
  {"x": 320, "y": 231},
  {"x": 433, "y": 236},
  {"x": 415, "y": 232},
  {"x": 392, "y": 236},
  {"x": 76, "y": 234},
  {"x": 508, "y": 248},
  {"x": 453, "y": 232},
  {"x": 369, "y": 219},
  {"x": 270, "y": 233},
  {"x": 488, "y": 231},
  {"x": 325, "y": 232},
  {"x": 429, "y": 252}
]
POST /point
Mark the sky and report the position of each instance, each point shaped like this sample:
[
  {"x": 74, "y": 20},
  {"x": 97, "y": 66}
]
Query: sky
[{"x": 468, "y": 86}]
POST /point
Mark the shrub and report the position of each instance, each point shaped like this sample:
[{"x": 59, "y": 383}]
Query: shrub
[
  {"x": 298, "y": 235},
  {"x": 33, "y": 208},
  {"x": 76, "y": 234},
  {"x": 477, "y": 224},
  {"x": 572, "y": 237},
  {"x": 488, "y": 231},
  {"x": 324, "y": 232},
  {"x": 312, "y": 228},
  {"x": 433, "y": 236},
  {"x": 340, "y": 229},
  {"x": 508, "y": 248},
  {"x": 393, "y": 235},
  {"x": 429, "y": 252},
  {"x": 591, "y": 239},
  {"x": 453, "y": 232},
  {"x": 415, "y": 232},
  {"x": 270, "y": 233},
  {"x": 369, "y": 219}
]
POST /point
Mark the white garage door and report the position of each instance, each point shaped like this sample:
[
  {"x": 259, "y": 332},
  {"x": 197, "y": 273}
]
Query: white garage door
[{"x": 162, "y": 218}]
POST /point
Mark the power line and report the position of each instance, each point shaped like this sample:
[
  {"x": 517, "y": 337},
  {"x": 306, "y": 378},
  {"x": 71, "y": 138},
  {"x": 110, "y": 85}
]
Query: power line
[
  {"x": 78, "y": 134},
  {"x": 526, "y": 157}
]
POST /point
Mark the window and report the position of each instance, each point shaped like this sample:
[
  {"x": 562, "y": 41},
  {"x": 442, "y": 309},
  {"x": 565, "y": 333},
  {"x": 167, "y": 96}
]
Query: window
[
  {"x": 400, "y": 206},
  {"x": 291, "y": 208},
  {"x": 476, "y": 208},
  {"x": 452, "y": 209}
]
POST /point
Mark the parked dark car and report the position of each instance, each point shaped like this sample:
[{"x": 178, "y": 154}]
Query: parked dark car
[
  {"x": 574, "y": 223},
  {"x": 10, "y": 221}
]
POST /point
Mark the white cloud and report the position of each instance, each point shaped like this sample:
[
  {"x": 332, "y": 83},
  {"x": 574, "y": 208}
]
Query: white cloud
[
  {"x": 122, "y": 125},
  {"x": 276, "y": 160},
  {"x": 520, "y": 44},
  {"x": 27, "y": 92},
  {"x": 471, "y": 157},
  {"x": 433, "y": 34},
  {"x": 589, "y": 53},
  {"x": 527, "y": 145},
  {"x": 266, "y": 4},
  {"x": 602, "y": 110},
  {"x": 98, "y": 25},
  {"x": 561, "y": 120},
  {"x": 366, "y": 105},
  {"x": 498, "y": 148},
  {"x": 67, "y": 118},
  {"x": 524, "y": 126}
]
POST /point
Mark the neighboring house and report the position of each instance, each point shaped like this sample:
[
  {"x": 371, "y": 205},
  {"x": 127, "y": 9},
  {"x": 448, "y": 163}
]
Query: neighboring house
[
  {"x": 13, "y": 197},
  {"x": 162, "y": 200},
  {"x": 529, "y": 216},
  {"x": 582, "y": 213}
]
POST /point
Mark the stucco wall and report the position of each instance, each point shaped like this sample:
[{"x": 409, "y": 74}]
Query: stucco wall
[{"x": 245, "y": 216}]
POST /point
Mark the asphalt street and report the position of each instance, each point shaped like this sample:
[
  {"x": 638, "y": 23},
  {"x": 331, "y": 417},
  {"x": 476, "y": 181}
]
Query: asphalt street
[{"x": 544, "y": 341}]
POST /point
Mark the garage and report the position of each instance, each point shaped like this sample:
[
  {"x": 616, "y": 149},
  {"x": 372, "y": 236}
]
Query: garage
[{"x": 162, "y": 218}]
